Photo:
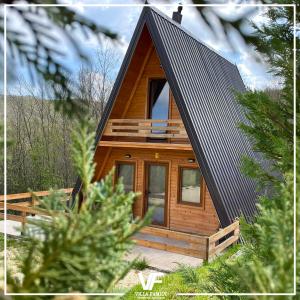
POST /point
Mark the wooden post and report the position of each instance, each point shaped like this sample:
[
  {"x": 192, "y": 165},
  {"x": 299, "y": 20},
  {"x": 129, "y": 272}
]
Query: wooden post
[
  {"x": 207, "y": 249},
  {"x": 23, "y": 214},
  {"x": 236, "y": 232},
  {"x": 32, "y": 203}
]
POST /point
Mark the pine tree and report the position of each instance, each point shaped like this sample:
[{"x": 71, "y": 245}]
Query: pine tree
[
  {"x": 80, "y": 250},
  {"x": 266, "y": 263}
]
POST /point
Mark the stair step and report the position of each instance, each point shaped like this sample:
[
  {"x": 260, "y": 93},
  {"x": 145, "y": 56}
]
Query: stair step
[{"x": 162, "y": 240}]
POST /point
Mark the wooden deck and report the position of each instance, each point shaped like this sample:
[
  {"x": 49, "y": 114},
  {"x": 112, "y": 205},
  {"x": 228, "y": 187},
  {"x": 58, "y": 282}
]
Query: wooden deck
[
  {"x": 200, "y": 246},
  {"x": 24, "y": 204}
]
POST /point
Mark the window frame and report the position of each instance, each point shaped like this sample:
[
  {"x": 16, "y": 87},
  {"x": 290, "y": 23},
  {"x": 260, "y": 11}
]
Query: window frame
[
  {"x": 202, "y": 187},
  {"x": 147, "y": 163},
  {"x": 148, "y": 106},
  {"x": 124, "y": 162}
]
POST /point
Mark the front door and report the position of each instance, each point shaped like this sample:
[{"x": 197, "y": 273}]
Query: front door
[{"x": 156, "y": 191}]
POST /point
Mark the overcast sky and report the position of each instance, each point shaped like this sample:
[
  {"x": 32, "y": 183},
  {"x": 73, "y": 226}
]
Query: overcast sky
[{"x": 123, "y": 20}]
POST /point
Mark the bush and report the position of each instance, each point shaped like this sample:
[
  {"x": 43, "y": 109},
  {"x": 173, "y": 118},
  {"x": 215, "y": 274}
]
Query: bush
[
  {"x": 140, "y": 264},
  {"x": 80, "y": 250}
]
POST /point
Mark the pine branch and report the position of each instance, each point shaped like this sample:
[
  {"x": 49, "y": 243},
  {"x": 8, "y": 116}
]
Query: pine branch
[
  {"x": 80, "y": 251},
  {"x": 44, "y": 61}
]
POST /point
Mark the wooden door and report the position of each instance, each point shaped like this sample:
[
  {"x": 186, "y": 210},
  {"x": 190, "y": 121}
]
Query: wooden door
[{"x": 156, "y": 191}]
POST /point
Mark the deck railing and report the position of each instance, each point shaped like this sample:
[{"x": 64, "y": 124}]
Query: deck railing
[
  {"x": 174, "y": 241},
  {"x": 225, "y": 237},
  {"x": 156, "y": 129},
  {"x": 24, "y": 204},
  {"x": 201, "y": 246}
]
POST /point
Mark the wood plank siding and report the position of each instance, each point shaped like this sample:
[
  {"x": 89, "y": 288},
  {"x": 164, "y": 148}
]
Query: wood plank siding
[
  {"x": 132, "y": 103},
  {"x": 132, "y": 99},
  {"x": 181, "y": 217}
]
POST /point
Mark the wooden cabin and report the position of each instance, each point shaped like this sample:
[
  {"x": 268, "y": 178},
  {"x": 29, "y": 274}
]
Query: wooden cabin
[{"x": 170, "y": 130}]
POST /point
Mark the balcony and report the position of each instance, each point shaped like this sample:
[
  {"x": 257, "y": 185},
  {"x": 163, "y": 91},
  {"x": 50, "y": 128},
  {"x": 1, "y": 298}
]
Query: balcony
[
  {"x": 146, "y": 133},
  {"x": 155, "y": 129}
]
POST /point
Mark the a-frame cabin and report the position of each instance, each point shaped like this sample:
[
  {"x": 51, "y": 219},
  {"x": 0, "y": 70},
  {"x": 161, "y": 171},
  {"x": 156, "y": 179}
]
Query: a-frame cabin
[{"x": 170, "y": 129}]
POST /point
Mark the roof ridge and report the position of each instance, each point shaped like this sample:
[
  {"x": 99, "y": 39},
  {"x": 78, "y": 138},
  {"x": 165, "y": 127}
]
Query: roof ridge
[{"x": 188, "y": 32}]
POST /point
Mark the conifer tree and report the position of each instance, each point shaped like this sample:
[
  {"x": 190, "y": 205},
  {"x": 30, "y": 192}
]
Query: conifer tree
[
  {"x": 266, "y": 263},
  {"x": 79, "y": 250}
]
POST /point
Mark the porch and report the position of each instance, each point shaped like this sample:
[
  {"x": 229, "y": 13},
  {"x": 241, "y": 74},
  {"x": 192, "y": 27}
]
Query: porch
[
  {"x": 21, "y": 206},
  {"x": 200, "y": 246}
]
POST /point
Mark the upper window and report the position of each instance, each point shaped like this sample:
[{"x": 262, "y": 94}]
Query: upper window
[
  {"x": 159, "y": 99},
  {"x": 126, "y": 171},
  {"x": 190, "y": 186}
]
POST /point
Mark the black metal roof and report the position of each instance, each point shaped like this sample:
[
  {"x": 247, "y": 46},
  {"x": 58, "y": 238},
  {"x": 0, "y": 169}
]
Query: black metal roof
[{"x": 203, "y": 84}]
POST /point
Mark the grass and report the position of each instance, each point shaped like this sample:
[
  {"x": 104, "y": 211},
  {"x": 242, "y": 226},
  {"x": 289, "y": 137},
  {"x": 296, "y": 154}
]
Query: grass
[
  {"x": 15, "y": 246},
  {"x": 185, "y": 279},
  {"x": 140, "y": 264},
  {"x": 1, "y": 241},
  {"x": 11, "y": 242},
  {"x": 189, "y": 275}
]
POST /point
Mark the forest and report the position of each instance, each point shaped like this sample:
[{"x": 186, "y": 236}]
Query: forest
[
  {"x": 38, "y": 152},
  {"x": 39, "y": 136}
]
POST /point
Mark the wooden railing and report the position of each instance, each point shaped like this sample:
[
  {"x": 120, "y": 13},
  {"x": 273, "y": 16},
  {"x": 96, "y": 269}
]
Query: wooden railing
[
  {"x": 161, "y": 129},
  {"x": 185, "y": 243},
  {"x": 201, "y": 246},
  {"x": 229, "y": 235},
  {"x": 24, "y": 204}
]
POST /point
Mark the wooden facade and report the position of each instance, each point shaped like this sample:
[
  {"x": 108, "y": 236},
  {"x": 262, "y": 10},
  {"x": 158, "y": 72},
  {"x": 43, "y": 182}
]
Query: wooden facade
[
  {"x": 123, "y": 139},
  {"x": 129, "y": 135},
  {"x": 132, "y": 137},
  {"x": 181, "y": 217}
]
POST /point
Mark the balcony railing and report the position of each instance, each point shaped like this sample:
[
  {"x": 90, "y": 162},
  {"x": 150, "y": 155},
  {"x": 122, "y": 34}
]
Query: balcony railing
[{"x": 156, "y": 129}]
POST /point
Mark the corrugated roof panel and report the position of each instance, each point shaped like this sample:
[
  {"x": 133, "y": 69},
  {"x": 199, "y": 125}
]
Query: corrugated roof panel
[{"x": 205, "y": 84}]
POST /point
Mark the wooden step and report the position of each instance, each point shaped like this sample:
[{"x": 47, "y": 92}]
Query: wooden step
[{"x": 181, "y": 246}]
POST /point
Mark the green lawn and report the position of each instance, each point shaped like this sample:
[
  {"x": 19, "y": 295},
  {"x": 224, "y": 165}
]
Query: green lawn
[{"x": 185, "y": 279}]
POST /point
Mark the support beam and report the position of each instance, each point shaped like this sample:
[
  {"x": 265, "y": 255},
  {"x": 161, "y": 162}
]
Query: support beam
[{"x": 145, "y": 145}]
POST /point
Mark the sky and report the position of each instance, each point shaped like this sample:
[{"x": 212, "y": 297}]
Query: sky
[{"x": 123, "y": 20}]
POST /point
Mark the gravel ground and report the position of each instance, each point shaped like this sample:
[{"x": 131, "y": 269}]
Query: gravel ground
[
  {"x": 130, "y": 280},
  {"x": 12, "y": 265},
  {"x": 14, "y": 251}
]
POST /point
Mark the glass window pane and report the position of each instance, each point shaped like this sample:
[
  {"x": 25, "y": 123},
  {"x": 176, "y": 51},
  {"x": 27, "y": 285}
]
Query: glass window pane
[
  {"x": 159, "y": 102},
  {"x": 126, "y": 171},
  {"x": 157, "y": 192},
  {"x": 190, "y": 185},
  {"x": 159, "y": 99}
]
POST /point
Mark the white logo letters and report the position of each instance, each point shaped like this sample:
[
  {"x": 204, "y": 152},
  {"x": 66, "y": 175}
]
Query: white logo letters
[{"x": 148, "y": 286}]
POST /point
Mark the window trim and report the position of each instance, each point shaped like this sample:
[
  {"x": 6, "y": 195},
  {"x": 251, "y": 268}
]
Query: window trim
[
  {"x": 124, "y": 162},
  {"x": 202, "y": 187},
  {"x": 148, "y": 106},
  {"x": 147, "y": 163},
  {"x": 148, "y": 110}
]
